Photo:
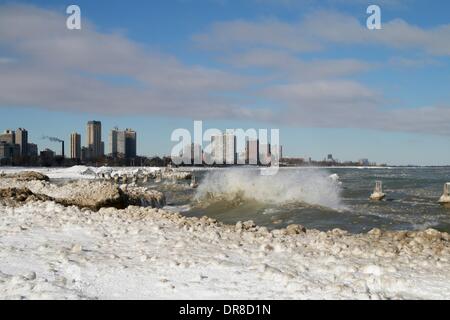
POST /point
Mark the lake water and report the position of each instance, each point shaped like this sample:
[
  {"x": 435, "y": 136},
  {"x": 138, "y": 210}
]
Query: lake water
[{"x": 312, "y": 198}]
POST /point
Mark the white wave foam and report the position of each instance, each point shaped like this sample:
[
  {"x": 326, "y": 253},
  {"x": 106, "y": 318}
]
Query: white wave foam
[{"x": 309, "y": 186}]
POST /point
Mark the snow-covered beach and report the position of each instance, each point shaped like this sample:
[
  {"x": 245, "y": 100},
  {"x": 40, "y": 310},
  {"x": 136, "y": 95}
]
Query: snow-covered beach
[{"x": 48, "y": 250}]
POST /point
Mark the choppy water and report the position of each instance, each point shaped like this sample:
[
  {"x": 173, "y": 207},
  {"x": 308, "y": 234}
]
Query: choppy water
[{"x": 309, "y": 197}]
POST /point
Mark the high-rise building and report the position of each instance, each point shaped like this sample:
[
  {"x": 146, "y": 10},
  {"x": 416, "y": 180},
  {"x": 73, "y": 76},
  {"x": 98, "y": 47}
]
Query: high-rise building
[
  {"x": 192, "y": 154},
  {"x": 252, "y": 152},
  {"x": 75, "y": 146},
  {"x": 224, "y": 149},
  {"x": 113, "y": 142},
  {"x": 94, "y": 139},
  {"x": 22, "y": 141},
  {"x": 230, "y": 151},
  {"x": 130, "y": 143},
  {"x": 8, "y": 136},
  {"x": 217, "y": 149},
  {"x": 122, "y": 143}
]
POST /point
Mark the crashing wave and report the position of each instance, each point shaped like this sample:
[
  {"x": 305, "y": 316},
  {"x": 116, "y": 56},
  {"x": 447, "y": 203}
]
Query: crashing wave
[{"x": 287, "y": 186}]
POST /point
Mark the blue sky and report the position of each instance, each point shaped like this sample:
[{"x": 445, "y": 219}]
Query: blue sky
[{"x": 309, "y": 68}]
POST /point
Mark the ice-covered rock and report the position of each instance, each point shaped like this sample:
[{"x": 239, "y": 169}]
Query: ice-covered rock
[
  {"x": 12, "y": 196},
  {"x": 90, "y": 194},
  {"x": 26, "y": 176}
]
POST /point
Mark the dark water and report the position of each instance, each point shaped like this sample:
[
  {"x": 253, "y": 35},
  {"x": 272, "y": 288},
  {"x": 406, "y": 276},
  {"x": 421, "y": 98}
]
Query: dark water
[{"x": 411, "y": 203}]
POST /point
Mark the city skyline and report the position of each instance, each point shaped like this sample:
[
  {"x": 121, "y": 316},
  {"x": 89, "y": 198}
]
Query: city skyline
[
  {"x": 310, "y": 69},
  {"x": 229, "y": 147}
]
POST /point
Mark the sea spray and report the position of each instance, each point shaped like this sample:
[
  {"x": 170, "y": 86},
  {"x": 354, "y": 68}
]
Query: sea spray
[{"x": 309, "y": 186}]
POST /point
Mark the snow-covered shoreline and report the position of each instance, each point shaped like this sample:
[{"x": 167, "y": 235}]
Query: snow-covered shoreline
[{"x": 51, "y": 251}]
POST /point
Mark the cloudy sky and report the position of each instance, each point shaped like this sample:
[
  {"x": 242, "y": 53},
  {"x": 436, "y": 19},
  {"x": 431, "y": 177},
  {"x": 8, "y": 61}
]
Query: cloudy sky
[{"x": 310, "y": 68}]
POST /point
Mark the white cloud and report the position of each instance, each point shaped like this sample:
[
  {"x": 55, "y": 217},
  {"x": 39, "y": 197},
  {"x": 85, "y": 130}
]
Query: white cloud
[
  {"x": 48, "y": 66},
  {"x": 268, "y": 33},
  {"x": 288, "y": 66},
  {"x": 322, "y": 28},
  {"x": 65, "y": 70}
]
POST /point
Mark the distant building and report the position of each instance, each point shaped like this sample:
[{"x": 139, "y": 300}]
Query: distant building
[
  {"x": 252, "y": 152},
  {"x": 102, "y": 148},
  {"x": 217, "y": 149},
  {"x": 123, "y": 143},
  {"x": 94, "y": 139},
  {"x": 276, "y": 153},
  {"x": 47, "y": 156},
  {"x": 265, "y": 153},
  {"x": 22, "y": 141},
  {"x": 130, "y": 143},
  {"x": 192, "y": 154},
  {"x": 8, "y": 136},
  {"x": 113, "y": 141},
  {"x": 197, "y": 153},
  {"x": 85, "y": 154},
  {"x": 187, "y": 154},
  {"x": 364, "y": 162},
  {"x": 32, "y": 150},
  {"x": 230, "y": 152},
  {"x": 224, "y": 149},
  {"x": 75, "y": 146},
  {"x": 9, "y": 150}
]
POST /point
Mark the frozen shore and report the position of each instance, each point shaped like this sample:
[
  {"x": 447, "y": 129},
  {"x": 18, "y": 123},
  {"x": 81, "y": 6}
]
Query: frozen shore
[
  {"x": 60, "y": 251},
  {"x": 51, "y": 251}
]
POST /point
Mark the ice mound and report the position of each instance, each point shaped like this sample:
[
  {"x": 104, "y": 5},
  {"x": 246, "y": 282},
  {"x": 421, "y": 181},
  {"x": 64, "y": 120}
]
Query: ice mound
[
  {"x": 25, "y": 176},
  {"x": 84, "y": 194}
]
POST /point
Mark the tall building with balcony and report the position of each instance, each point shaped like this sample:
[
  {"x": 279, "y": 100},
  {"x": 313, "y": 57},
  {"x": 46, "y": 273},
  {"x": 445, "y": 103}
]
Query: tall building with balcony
[
  {"x": 94, "y": 139},
  {"x": 75, "y": 146}
]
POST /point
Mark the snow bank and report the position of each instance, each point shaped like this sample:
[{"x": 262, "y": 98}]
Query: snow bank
[{"x": 51, "y": 251}]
